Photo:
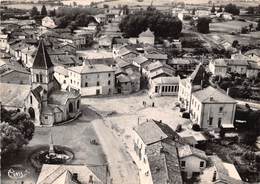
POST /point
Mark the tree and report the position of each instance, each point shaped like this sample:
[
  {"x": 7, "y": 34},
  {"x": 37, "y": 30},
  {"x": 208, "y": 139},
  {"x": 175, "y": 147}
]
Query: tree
[
  {"x": 34, "y": 12},
  {"x": 220, "y": 9},
  {"x": 250, "y": 10},
  {"x": 232, "y": 8},
  {"x": 213, "y": 9},
  {"x": 44, "y": 11},
  {"x": 196, "y": 127},
  {"x": 16, "y": 130},
  {"x": 53, "y": 13},
  {"x": 162, "y": 25},
  {"x": 203, "y": 25}
]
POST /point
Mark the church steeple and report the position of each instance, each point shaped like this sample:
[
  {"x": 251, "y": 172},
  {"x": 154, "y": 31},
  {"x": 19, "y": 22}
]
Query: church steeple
[
  {"x": 42, "y": 59},
  {"x": 42, "y": 70}
]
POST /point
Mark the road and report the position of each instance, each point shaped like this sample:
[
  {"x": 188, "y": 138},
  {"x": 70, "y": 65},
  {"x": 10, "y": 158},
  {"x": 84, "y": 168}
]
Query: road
[{"x": 122, "y": 168}]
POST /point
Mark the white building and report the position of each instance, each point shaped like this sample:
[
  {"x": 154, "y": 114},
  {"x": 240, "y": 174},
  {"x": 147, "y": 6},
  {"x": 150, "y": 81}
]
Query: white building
[
  {"x": 146, "y": 37},
  {"x": 48, "y": 22},
  {"x": 188, "y": 85},
  {"x": 92, "y": 79},
  {"x": 218, "y": 67},
  {"x": 164, "y": 86},
  {"x": 212, "y": 109},
  {"x": 3, "y": 42},
  {"x": 192, "y": 160}
]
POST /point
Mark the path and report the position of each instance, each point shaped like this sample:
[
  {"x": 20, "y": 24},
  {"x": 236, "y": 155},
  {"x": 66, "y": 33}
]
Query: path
[{"x": 122, "y": 168}]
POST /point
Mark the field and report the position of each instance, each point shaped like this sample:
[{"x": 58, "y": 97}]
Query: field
[{"x": 228, "y": 27}]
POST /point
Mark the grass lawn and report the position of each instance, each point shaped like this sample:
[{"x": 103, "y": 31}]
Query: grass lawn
[{"x": 75, "y": 135}]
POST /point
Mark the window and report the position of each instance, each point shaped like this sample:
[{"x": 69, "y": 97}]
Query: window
[
  {"x": 64, "y": 81},
  {"x": 97, "y": 75},
  {"x": 71, "y": 81},
  {"x": 220, "y": 109},
  {"x": 108, "y": 82},
  {"x": 202, "y": 164},
  {"x": 210, "y": 121},
  {"x": 109, "y": 74},
  {"x": 86, "y": 77},
  {"x": 37, "y": 77},
  {"x": 219, "y": 122},
  {"x": 97, "y": 83},
  {"x": 45, "y": 117},
  {"x": 183, "y": 163},
  {"x": 31, "y": 99},
  {"x": 163, "y": 89},
  {"x": 86, "y": 84},
  {"x": 156, "y": 89},
  {"x": 41, "y": 78}
]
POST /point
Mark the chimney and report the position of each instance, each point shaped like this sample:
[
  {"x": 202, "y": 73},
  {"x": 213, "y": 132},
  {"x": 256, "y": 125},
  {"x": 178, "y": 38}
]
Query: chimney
[
  {"x": 211, "y": 98},
  {"x": 91, "y": 181},
  {"x": 214, "y": 178},
  {"x": 228, "y": 89}
]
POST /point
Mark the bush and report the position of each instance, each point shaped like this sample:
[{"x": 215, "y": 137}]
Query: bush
[
  {"x": 203, "y": 25},
  {"x": 196, "y": 127},
  {"x": 232, "y": 8}
]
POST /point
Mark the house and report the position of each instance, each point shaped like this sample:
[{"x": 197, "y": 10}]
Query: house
[
  {"x": 218, "y": 67},
  {"x": 105, "y": 42},
  {"x": 49, "y": 22},
  {"x": 156, "y": 69},
  {"x": 3, "y": 41},
  {"x": 46, "y": 103},
  {"x": 65, "y": 60},
  {"x": 212, "y": 109},
  {"x": 183, "y": 64},
  {"x": 254, "y": 55},
  {"x": 164, "y": 86},
  {"x": 220, "y": 173},
  {"x": 157, "y": 57},
  {"x": 156, "y": 155},
  {"x": 27, "y": 55},
  {"x": 92, "y": 79},
  {"x": 62, "y": 75},
  {"x": 100, "y": 18},
  {"x": 123, "y": 84},
  {"x": 253, "y": 69},
  {"x": 237, "y": 66},
  {"x": 65, "y": 174},
  {"x": 192, "y": 160},
  {"x": 190, "y": 84},
  {"x": 14, "y": 75},
  {"x": 146, "y": 37}
]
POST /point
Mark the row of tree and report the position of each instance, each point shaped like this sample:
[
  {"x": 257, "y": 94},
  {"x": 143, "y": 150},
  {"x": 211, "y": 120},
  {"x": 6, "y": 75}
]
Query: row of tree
[
  {"x": 229, "y": 8},
  {"x": 163, "y": 25}
]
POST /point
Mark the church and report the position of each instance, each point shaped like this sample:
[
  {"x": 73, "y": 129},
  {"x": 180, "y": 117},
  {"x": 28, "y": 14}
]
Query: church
[{"x": 46, "y": 103}]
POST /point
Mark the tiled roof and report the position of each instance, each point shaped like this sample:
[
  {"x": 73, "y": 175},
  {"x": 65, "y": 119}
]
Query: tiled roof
[
  {"x": 157, "y": 56},
  {"x": 42, "y": 59},
  {"x": 187, "y": 150},
  {"x": 140, "y": 59},
  {"x": 160, "y": 71},
  {"x": 219, "y": 62},
  {"x": 13, "y": 95},
  {"x": 61, "y": 97},
  {"x": 254, "y": 51},
  {"x": 253, "y": 65},
  {"x": 158, "y": 64},
  {"x": 36, "y": 92},
  {"x": 167, "y": 80},
  {"x": 154, "y": 134},
  {"x": 236, "y": 62},
  {"x": 212, "y": 95},
  {"x": 91, "y": 69},
  {"x": 62, "y": 174},
  {"x": 164, "y": 163}
]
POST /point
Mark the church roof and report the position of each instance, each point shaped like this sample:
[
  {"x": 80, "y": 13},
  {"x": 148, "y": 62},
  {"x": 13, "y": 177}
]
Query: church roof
[
  {"x": 198, "y": 75},
  {"x": 42, "y": 59}
]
